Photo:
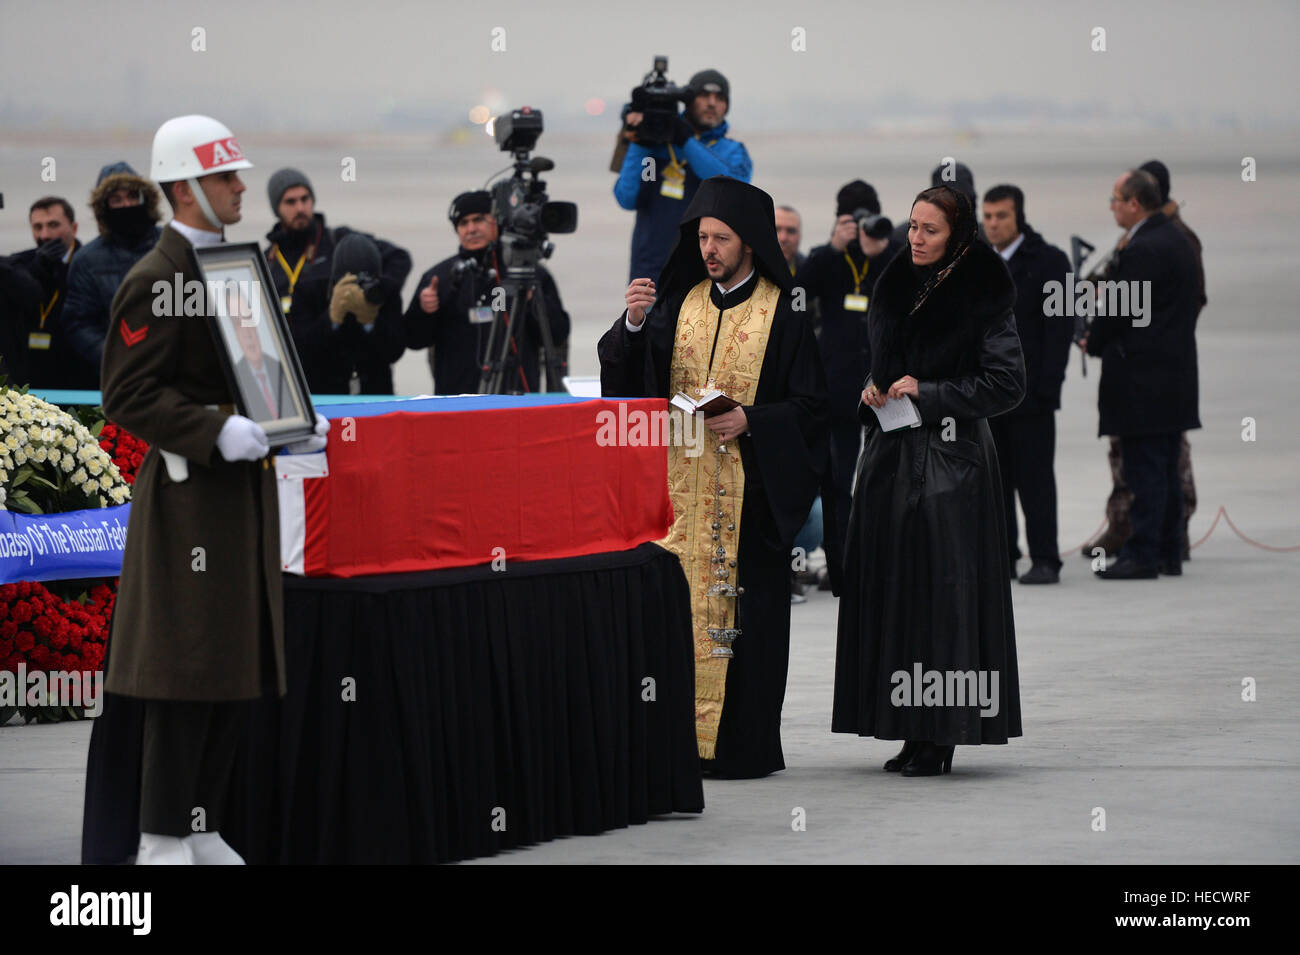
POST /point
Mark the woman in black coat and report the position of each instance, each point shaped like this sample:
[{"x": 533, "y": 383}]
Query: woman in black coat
[{"x": 926, "y": 649}]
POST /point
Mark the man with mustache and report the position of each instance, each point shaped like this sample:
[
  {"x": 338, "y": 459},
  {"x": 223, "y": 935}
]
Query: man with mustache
[
  {"x": 302, "y": 246},
  {"x": 721, "y": 318},
  {"x": 700, "y": 149}
]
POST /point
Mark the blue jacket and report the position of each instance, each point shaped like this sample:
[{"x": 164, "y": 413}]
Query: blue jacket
[
  {"x": 706, "y": 154},
  {"x": 93, "y": 278}
]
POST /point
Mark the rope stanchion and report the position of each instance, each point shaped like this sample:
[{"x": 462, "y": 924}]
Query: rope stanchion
[{"x": 1221, "y": 513}]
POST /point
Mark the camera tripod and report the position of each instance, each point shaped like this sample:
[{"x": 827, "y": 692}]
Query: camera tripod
[{"x": 519, "y": 285}]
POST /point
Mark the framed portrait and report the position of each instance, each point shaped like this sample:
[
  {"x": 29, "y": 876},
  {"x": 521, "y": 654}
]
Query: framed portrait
[{"x": 255, "y": 342}]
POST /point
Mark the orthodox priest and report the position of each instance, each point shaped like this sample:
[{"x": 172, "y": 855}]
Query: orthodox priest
[{"x": 721, "y": 319}]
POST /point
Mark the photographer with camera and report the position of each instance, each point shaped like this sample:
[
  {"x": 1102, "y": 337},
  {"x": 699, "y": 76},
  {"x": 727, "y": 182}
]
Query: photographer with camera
[
  {"x": 452, "y": 310},
  {"x": 840, "y": 278},
  {"x": 348, "y": 329},
  {"x": 683, "y": 148}
]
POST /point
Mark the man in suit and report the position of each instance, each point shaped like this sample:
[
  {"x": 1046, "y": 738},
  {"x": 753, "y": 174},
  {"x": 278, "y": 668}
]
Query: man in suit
[
  {"x": 1148, "y": 393},
  {"x": 262, "y": 380},
  {"x": 1026, "y": 435}
]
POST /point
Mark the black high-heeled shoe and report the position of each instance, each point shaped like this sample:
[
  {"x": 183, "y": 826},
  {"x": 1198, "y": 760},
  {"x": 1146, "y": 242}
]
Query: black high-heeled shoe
[
  {"x": 909, "y": 750},
  {"x": 930, "y": 760}
]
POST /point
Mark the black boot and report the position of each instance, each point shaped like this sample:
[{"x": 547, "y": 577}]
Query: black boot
[
  {"x": 906, "y": 753},
  {"x": 930, "y": 760},
  {"x": 1043, "y": 572},
  {"x": 1127, "y": 569}
]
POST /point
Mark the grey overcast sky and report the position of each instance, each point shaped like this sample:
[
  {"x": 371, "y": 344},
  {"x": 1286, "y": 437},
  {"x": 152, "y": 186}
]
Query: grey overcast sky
[{"x": 381, "y": 65}]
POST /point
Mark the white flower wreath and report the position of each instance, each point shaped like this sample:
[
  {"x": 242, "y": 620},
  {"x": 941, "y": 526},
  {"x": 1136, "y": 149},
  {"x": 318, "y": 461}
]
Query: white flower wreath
[{"x": 42, "y": 442}]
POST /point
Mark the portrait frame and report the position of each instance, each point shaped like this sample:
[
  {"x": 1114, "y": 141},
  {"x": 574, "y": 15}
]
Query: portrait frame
[{"x": 254, "y": 340}]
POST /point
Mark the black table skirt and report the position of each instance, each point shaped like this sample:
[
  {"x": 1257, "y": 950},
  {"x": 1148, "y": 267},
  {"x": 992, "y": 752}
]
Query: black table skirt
[{"x": 440, "y": 716}]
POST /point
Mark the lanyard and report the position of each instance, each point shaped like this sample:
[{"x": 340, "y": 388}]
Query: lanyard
[
  {"x": 48, "y": 307},
  {"x": 294, "y": 272},
  {"x": 857, "y": 278}
]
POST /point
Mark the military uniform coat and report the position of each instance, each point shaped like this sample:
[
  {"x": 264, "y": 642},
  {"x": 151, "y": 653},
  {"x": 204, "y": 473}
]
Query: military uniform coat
[{"x": 199, "y": 612}]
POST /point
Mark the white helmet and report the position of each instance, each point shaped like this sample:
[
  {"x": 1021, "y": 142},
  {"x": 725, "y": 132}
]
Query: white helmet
[{"x": 190, "y": 147}]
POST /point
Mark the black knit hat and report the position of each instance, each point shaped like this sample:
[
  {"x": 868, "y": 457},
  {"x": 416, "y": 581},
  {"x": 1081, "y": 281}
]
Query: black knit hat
[
  {"x": 1161, "y": 172},
  {"x": 710, "y": 81},
  {"x": 963, "y": 179},
  {"x": 356, "y": 252},
  {"x": 469, "y": 203},
  {"x": 857, "y": 195},
  {"x": 281, "y": 181}
]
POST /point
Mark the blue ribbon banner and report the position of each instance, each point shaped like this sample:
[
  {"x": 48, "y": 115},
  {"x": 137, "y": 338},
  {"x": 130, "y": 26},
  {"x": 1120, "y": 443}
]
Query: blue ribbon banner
[{"x": 64, "y": 546}]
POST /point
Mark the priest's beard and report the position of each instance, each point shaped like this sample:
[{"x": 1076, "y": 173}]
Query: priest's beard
[{"x": 729, "y": 268}]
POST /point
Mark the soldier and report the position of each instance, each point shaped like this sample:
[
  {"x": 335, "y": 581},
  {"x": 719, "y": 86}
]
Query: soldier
[{"x": 198, "y": 628}]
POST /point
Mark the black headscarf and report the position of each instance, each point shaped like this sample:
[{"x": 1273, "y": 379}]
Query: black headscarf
[
  {"x": 745, "y": 208},
  {"x": 964, "y": 233}
]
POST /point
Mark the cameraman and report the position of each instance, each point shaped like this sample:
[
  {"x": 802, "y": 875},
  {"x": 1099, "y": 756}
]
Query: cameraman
[
  {"x": 840, "y": 278},
  {"x": 699, "y": 149},
  {"x": 452, "y": 308}
]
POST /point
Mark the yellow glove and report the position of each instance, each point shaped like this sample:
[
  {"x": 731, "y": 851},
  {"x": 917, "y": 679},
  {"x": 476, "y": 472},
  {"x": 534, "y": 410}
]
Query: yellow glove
[{"x": 347, "y": 297}]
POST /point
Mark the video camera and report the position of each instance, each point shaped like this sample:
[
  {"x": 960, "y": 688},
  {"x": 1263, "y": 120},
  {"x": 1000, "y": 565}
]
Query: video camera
[
  {"x": 657, "y": 99},
  {"x": 525, "y": 214}
]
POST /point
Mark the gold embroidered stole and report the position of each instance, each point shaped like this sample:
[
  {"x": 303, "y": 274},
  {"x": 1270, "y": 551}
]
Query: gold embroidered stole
[{"x": 692, "y": 481}]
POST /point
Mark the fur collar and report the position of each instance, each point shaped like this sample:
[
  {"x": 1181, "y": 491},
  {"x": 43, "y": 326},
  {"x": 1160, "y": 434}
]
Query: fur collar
[
  {"x": 980, "y": 288},
  {"x": 941, "y": 338}
]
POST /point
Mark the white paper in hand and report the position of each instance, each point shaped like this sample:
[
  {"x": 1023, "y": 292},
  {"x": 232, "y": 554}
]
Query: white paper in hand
[{"x": 898, "y": 413}]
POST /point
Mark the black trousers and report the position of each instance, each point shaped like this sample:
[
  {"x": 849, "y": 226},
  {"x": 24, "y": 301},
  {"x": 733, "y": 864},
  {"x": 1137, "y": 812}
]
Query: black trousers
[
  {"x": 188, "y": 762},
  {"x": 1027, "y": 461},
  {"x": 1151, "y": 470},
  {"x": 846, "y": 442}
]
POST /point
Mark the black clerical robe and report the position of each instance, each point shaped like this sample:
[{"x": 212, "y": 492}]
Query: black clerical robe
[{"x": 784, "y": 457}]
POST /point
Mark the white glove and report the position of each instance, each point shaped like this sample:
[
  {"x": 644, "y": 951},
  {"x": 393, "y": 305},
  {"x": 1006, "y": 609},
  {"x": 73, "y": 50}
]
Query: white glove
[
  {"x": 313, "y": 444},
  {"x": 242, "y": 439}
]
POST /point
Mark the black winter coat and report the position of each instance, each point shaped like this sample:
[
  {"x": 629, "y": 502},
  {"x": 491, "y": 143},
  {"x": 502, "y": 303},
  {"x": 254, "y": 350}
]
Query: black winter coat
[
  {"x": 20, "y": 309},
  {"x": 54, "y": 366},
  {"x": 826, "y": 277},
  {"x": 926, "y": 555},
  {"x": 395, "y": 262},
  {"x": 330, "y": 353},
  {"x": 1148, "y": 373},
  {"x": 1044, "y": 339},
  {"x": 94, "y": 275},
  {"x": 459, "y": 346}
]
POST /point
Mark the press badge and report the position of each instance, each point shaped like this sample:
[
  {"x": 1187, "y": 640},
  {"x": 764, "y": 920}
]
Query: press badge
[
  {"x": 481, "y": 315},
  {"x": 285, "y": 302},
  {"x": 674, "y": 184},
  {"x": 855, "y": 303},
  {"x": 38, "y": 341}
]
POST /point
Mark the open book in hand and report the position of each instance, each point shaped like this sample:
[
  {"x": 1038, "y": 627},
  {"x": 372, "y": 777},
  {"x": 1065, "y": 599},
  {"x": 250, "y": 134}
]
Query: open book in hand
[
  {"x": 712, "y": 403},
  {"x": 898, "y": 413}
]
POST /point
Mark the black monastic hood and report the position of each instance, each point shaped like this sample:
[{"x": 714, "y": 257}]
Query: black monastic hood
[{"x": 747, "y": 209}]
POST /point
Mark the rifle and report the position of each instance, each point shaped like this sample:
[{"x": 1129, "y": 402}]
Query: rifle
[{"x": 1080, "y": 250}]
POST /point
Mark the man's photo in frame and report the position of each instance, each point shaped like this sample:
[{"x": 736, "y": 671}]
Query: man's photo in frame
[{"x": 261, "y": 360}]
